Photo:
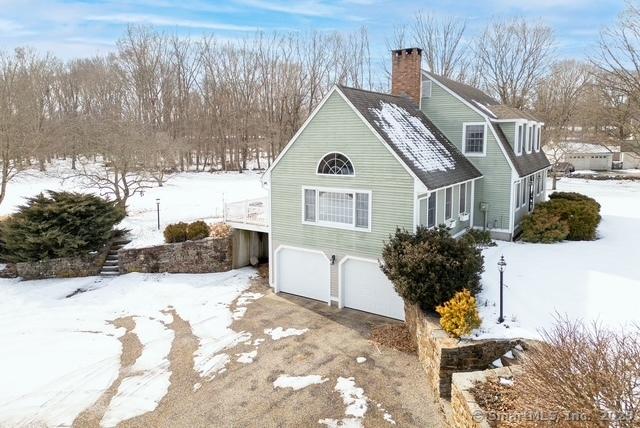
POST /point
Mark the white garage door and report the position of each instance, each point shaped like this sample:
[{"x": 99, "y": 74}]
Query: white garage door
[
  {"x": 304, "y": 273},
  {"x": 365, "y": 287}
]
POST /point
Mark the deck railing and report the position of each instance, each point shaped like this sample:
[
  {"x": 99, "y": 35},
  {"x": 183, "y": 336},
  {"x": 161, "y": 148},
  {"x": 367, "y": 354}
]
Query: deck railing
[{"x": 250, "y": 211}]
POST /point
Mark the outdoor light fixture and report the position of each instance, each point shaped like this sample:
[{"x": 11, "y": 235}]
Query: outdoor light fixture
[
  {"x": 501, "y": 265},
  {"x": 333, "y": 259},
  {"x": 158, "y": 210}
]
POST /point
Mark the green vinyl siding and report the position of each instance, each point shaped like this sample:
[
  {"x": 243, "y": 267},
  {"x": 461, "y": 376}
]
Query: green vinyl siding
[
  {"x": 509, "y": 130},
  {"x": 449, "y": 114},
  {"x": 337, "y": 128}
]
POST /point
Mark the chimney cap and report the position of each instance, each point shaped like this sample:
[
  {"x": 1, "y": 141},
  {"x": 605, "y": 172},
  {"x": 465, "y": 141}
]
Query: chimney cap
[{"x": 406, "y": 50}]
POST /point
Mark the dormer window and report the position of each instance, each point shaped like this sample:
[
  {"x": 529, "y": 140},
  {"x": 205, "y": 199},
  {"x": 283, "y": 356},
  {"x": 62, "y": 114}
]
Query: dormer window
[
  {"x": 335, "y": 164},
  {"x": 520, "y": 139}
]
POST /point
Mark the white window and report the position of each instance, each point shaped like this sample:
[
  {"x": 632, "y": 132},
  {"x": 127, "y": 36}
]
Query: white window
[
  {"x": 335, "y": 164},
  {"x": 524, "y": 191},
  {"x": 462, "y": 205},
  {"x": 539, "y": 131},
  {"x": 520, "y": 139},
  {"x": 448, "y": 202},
  {"x": 344, "y": 209},
  {"x": 431, "y": 210},
  {"x": 309, "y": 205},
  {"x": 474, "y": 139},
  {"x": 426, "y": 88},
  {"x": 530, "y": 139},
  {"x": 518, "y": 190}
]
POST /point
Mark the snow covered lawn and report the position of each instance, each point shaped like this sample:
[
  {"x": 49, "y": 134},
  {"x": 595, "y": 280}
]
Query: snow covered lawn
[
  {"x": 60, "y": 354},
  {"x": 593, "y": 281},
  {"x": 185, "y": 197}
]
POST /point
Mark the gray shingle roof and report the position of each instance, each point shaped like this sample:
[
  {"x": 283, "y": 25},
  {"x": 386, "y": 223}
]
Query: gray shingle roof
[
  {"x": 413, "y": 137},
  {"x": 526, "y": 163}
]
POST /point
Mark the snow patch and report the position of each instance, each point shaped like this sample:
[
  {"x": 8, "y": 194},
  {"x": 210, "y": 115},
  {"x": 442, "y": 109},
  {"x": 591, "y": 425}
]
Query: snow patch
[
  {"x": 141, "y": 392},
  {"x": 280, "y": 333},
  {"x": 360, "y": 360},
  {"x": 247, "y": 357},
  {"x": 414, "y": 140},
  {"x": 298, "y": 382}
]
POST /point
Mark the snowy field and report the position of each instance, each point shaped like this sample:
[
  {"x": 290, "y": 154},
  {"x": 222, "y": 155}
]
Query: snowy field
[
  {"x": 60, "y": 354},
  {"x": 185, "y": 197},
  {"x": 592, "y": 281}
]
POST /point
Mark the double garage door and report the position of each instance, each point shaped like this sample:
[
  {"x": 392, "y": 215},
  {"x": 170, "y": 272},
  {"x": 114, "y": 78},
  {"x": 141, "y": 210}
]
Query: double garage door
[{"x": 362, "y": 284}]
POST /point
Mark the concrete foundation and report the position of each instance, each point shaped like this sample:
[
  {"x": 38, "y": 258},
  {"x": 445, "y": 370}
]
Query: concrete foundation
[{"x": 248, "y": 244}]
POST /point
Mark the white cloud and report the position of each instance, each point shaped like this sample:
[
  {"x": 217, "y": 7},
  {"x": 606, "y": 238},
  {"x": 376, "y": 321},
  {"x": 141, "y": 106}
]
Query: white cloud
[
  {"x": 7, "y": 26},
  {"x": 127, "y": 18},
  {"x": 305, "y": 7}
]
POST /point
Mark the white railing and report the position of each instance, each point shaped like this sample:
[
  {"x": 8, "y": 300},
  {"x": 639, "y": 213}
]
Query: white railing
[{"x": 250, "y": 211}]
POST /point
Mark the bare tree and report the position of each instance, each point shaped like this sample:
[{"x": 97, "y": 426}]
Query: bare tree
[
  {"x": 441, "y": 40},
  {"x": 514, "y": 55},
  {"x": 617, "y": 62}
]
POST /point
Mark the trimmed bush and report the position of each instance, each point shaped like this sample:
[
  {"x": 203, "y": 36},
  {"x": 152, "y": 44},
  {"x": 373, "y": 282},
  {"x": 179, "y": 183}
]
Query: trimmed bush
[
  {"x": 197, "y": 230},
  {"x": 575, "y": 213},
  {"x": 459, "y": 316},
  {"x": 429, "y": 266},
  {"x": 544, "y": 226},
  {"x": 479, "y": 238},
  {"x": 60, "y": 224},
  {"x": 176, "y": 232}
]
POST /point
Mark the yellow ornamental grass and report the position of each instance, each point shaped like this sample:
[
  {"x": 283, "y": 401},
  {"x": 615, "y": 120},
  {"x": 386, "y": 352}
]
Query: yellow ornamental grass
[{"x": 459, "y": 316}]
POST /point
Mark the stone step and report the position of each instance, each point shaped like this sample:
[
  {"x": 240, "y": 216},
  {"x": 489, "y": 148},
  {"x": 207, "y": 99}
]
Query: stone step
[
  {"x": 103, "y": 273},
  {"x": 110, "y": 269},
  {"x": 112, "y": 257},
  {"x": 110, "y": 263}
]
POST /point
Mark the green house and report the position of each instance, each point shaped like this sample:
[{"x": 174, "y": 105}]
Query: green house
[{"x": 365, "y": 163}]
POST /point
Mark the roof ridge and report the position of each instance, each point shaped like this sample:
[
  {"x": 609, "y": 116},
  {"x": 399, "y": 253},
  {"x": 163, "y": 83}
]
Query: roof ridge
[{"x": 386, "y": 94}]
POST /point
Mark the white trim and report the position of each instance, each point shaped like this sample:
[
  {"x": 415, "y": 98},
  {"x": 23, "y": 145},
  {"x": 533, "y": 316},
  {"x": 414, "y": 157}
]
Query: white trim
[
  {"x": 304, "y": 125},
  {"x": 335, "y": 175},
  {"x": 464, "y": 139},
  {"x": 460, "y": 233},
  {"x": 276, "y": 289},
  {"x": 472, "y": 220},
  {"x": 332, "y": 225},
  {"x": 518, "y": 148},
  {"x": 465, "y": 198},
  {"x": 435, "y": 210},
  {"x": 493, "y": 229}
]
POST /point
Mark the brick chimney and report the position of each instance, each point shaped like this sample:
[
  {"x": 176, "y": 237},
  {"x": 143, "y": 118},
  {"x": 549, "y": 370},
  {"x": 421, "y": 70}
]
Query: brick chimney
[{"x": 406, "y": 74}]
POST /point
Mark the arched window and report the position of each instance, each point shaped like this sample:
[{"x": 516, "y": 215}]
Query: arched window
[{"x": 335, "y": 164}]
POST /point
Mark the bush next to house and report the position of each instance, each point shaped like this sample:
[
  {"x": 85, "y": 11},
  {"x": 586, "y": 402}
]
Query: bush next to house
[
  {"x": 479, "y": 238},
  {"x": 567, "y": 215},
  {"x": 197, "y": 230},
  {"x": 58, "y": 224},
  {"x": 180, "y": 232},
  {"x": 459, "y": 316},
  {"x": 429, "y": 266}
]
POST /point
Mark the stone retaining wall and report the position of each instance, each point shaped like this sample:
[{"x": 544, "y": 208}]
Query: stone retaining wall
[
  {"x": 202, "y": 256},
  {"x": 465, "y": 412},
  {"x": 441, "y": 355},
  {"x": 67, "y": 267}
]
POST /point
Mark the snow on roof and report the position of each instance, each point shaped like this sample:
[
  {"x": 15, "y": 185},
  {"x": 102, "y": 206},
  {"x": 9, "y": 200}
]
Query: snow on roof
[
  {"x": 412, "y": 137},
  {"x": 585, "y": 148}
]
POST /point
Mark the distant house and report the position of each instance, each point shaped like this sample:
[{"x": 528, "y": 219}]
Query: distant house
[
  {"x": 629, "y": 155},
  {"x": 434, "y": 152},
  {"x": 587, "y": 156}
]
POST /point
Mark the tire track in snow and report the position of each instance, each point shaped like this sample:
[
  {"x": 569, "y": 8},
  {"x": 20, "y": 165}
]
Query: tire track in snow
[{"x": 131, "y": 351}]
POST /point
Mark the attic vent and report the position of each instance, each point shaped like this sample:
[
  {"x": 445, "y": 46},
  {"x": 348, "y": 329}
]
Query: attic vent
[{"x": 426, "y": 88}]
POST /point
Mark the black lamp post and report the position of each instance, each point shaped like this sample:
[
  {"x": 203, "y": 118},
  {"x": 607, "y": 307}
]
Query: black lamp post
[
  {"x": 158, "y": 210},
  {"x": 501, "y": 265}
]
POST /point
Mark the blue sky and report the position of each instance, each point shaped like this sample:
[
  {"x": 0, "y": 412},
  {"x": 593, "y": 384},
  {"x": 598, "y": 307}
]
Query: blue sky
[{"x": 85, "y": 28}]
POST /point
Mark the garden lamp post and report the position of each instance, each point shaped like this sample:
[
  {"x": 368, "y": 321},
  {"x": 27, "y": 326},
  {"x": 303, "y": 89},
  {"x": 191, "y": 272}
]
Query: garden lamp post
[
  {"x": 501, "y": 265},
  {"x": 158, "y": 211}
]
